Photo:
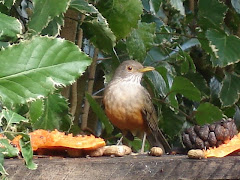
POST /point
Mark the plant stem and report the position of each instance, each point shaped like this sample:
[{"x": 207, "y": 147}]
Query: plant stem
[{"x": 92, "y": 71}]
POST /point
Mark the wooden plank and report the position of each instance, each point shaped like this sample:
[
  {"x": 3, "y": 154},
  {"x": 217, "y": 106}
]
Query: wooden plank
[{"x": 128, "y": 167}]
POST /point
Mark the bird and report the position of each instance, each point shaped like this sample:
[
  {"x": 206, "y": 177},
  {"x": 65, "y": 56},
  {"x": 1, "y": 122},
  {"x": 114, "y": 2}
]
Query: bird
[{"x": 129, "y": 107}]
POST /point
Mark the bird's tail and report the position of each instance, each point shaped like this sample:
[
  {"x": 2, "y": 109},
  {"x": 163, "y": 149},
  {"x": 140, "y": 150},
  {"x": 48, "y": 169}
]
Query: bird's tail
[{"x": 157, "y": 139}]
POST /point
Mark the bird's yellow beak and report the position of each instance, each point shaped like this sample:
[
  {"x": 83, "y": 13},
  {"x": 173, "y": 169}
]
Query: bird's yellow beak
[{"x": 146, "y": 69}]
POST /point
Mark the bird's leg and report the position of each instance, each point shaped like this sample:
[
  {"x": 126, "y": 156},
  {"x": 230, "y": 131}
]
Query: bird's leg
[
  {"x": 143, "y": 143},
  {"x": 120, "y": 141}
]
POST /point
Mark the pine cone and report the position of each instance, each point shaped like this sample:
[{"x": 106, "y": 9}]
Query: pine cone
[{"x": 201, "y": 137}]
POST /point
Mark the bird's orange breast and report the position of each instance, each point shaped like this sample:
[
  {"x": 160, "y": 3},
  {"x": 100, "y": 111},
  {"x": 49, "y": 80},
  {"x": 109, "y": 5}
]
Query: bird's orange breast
[{"x": 123, "y": 106}]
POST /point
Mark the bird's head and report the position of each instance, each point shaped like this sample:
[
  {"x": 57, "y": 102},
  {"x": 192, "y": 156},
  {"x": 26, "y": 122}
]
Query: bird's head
[{"x": 131, "y": 71}]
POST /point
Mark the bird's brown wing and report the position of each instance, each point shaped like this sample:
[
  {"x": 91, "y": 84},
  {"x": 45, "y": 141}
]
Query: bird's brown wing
[{"x": 154, "y": 136}]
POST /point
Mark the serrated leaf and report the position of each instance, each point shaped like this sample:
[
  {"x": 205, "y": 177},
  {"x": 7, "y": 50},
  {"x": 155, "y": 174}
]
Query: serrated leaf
[
  {"x": 7, "y": 149},
  {"x": 33, "y": 69},
  {"x": 225, "y": 48},
  {"x": 54, "y": 114},
  {"x": 10, "y": 28},
  {"x": 83, "y": 7},
  {"x": 178, "y": 5},
  {"x": 44, "y": 11},
  {"x": 36, "y": 109},
  {"x": 27, "y": 153},
  {"x": 185, "y": 87},
  {"x": 100, "y": 113},
  {"x": 99, "y": 33},
  {"x": 229, "y": 93},
  {"x": 95, "y": 26},
  {"x": 11, "y": 118},
  {"x": 8, "y": 3},
  {"x": 208, "y": 113},
  {"x": 236, "y": 5},
  {"x": 141, "y": 40},
  {"x": 54, "y": 26},
  {"x": 217, "y": 13},
  {"x": 122, "y": 15}
]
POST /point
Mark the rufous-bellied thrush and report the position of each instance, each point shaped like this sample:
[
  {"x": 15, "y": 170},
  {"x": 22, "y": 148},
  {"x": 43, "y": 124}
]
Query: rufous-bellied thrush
[{"x": 129, "y": 107}]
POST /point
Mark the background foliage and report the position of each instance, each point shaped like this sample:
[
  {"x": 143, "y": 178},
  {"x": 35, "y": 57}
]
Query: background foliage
[{"x": 193, "y": 45}]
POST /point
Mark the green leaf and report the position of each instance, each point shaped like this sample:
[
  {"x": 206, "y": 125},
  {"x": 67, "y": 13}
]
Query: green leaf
[
  {"x": 53, "y": 113},
  {"x": 225, "y": 48},
  {"x": 198, "y": 80},
  {"x": 8, "y": 3},
  {"x": 141, "y": 40},
  {"x": 208, "y": 113},
  {"x": 152, "y": 5},
  {"x": 36, "y": 110},
  {"x": 10, "y": 28},
  {"x": 100, "y": 113},
  {"x": 33, "y": 69},
  {"x": 54, "y": 26},
  {"x": 26, "y": 149},
  {"x": 3, "y": 172},
  {"x": 44, "y": 12},
  {"x": 158, "y": 83},
  {"x": 178, "y": 5},
  {"x": 99, "y": 33},
  {"x": 95, "y": 26},
  {"x": 7, "y": 149},
  {"x": 236, "y": 5},
  {"x": 83, "y": 7},
  {"x": 229, "y": 93},
  {"x": 169, "y": 119},
  {"x": 185, "y": 87},
  {"x": 122, "y": 15},
  {"x": 217, "y": 13},
  {"x": 187, "y": 64},
  {"x": 11, "y": 118}
]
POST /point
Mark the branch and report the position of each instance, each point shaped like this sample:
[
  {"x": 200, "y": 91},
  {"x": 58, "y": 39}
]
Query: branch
[{"x": 90, "y": 89}]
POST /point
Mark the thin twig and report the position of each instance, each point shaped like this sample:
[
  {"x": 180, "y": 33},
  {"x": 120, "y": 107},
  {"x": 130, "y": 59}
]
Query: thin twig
[
  {"x": 90, "y": 89},
  {"x": 74, "y": 89}
]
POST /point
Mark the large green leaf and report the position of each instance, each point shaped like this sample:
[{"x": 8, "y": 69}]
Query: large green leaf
[
  {"x": 95, "y": 26},
  {"x": 230, "y": 90},
  {"x": 10, "y": 28},
  {"x": 141, "y": 40},
  {"x": 225, "y": 48},
  {"x": 215, "y": 16},
  {"x": 44, "y": 12},
  {"x": 122, "y": 15},
  {"x": 33, "y": 69},
  {"x": 208, "y": 113},
  {"x": 100, "y": 113},
  {"x": 178, "y": 5},
  {"x": 50, "y": 113},
  {"x": 185, "y": 87}
]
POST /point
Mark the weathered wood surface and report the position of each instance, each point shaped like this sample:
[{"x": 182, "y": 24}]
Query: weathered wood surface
[{"x": 128, "y": 167}]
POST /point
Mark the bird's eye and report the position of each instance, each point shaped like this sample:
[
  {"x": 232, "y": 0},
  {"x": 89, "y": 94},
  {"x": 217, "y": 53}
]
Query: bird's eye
[{"x": 129, "y": 68}]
